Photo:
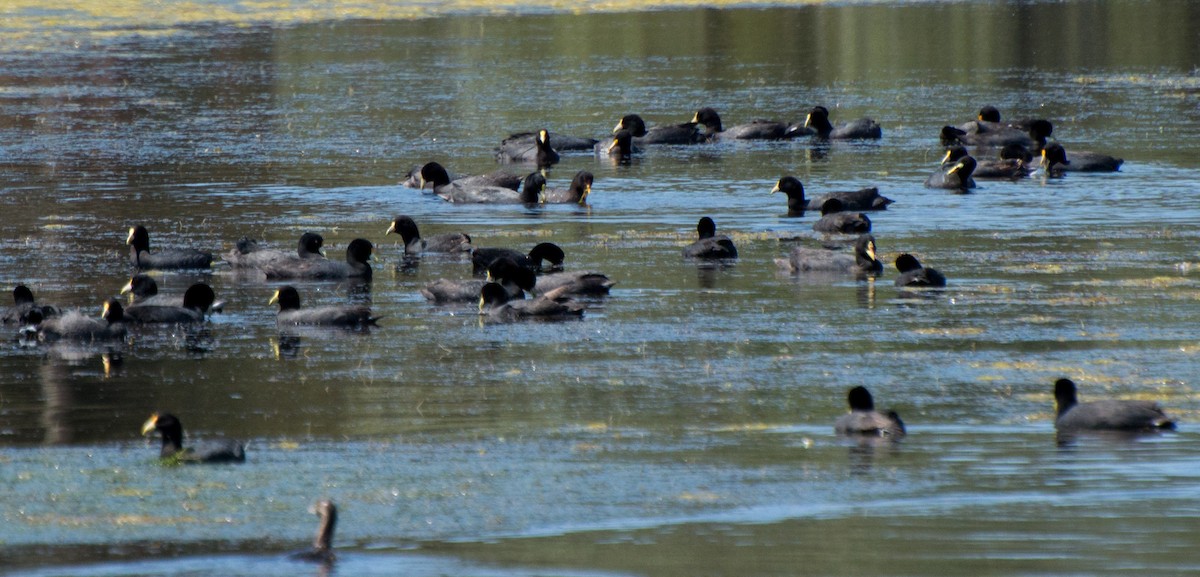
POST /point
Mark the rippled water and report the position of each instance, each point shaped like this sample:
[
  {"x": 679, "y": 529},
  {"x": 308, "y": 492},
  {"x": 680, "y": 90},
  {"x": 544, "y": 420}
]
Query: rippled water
[{"x": 684, "y": 426}]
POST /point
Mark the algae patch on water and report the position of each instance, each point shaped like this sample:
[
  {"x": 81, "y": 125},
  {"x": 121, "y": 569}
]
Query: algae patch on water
[{"x": 30, "y": 26}]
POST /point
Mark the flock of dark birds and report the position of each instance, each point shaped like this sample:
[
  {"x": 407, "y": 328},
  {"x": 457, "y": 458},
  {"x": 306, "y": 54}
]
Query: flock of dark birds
[{"x": 518, "y": 285}]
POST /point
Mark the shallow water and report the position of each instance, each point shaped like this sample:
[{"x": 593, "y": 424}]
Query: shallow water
[{"x": 683, "y": 426}]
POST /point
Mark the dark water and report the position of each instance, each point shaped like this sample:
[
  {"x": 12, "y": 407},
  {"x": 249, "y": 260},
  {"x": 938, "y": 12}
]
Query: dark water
[{"x": 684, "y": 426}]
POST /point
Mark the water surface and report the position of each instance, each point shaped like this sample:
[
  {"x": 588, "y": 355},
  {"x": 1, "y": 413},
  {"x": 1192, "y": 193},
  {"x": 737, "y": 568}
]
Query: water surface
[{"x": 684, "y": 426}]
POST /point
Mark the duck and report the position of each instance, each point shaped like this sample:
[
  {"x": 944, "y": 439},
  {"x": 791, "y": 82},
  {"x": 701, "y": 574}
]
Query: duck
[
  {"x": 543, "y": 252},
  {"x": 864, "y": 420},
  {"x": 817, "y": 123},
  {"x": 957, "y": 177},
  {"x": 459, "y": 192},
  {"x": 415, "y": 244},
  {"x": 1106, "y": 415},
  {"x": 322, "y": 549},
  {"x": 196, "y": 301},
  {"x": 1010, "y": 164},
  {"x": 248, "y": 254},
  {"x": 345, "y": 316},
  {"x": 835, "y": 220},
  {"x": 141, "y": 257},
  {"x": 754, "y": 130},
  {"x": 518, "y": 149},
  {"x": 710, "y": 245},
  {"x": 504, "y": 271},
  {"x": 496, "y": 305},
  {"x": 862, "y": 263},
  {"x": 1055, "y": 161},
  {"x": 501, "y": 178},
  {"x": 686, "y": 133},
  {"x": 358, "y": 252},
  {"x": 170, "y": 429},
  {"x": 23, "y": 304},
  {"x": 913, "y": 274},
  {"x": 576, "y": 193},
  {"x": 75, "y": 326},
  {"x": 861, "y": 199}
]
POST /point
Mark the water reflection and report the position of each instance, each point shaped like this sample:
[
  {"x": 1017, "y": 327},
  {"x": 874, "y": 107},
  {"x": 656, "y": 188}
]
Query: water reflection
[
  {"x": 211, "y": 130},
  {"x": 865, "y": 451},
  {"x": 866, "y": 293},
  {"x": 1071, "y": 441}
]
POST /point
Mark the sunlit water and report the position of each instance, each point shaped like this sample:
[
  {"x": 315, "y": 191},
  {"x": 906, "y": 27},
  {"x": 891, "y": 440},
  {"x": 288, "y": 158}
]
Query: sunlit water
[{"x": 683, "y": 427}]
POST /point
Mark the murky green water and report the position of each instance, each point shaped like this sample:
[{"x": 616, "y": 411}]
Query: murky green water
[{"x": 684, "y": 427}]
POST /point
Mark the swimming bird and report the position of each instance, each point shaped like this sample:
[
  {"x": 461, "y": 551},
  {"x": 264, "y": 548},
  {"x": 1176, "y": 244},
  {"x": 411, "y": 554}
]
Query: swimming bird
[
  {"x": 817, "y": 122},
  {"x": 358, "y": 252},
  {"x": 710, "y": 245},
  {"x": 912, "y": 273},
  {"x": 247, "y": 254},
  {"x": 322, "y": 549},
  {"x": 621, "y": 147},
  {"x": 1106, "y": 415},
  {"x": 862, "y": 199},
  {"x": 543, "y": 252},
  {"x": 144, "y": 291},
  {"x": 499, "y": 178},
  {"x": 77, "y": 327},
  {"x": 505, "y": 271},
  {"x": 23, "y": 304},
  {"x": 196, "y": 301},
  {"x": 989, "y": 117},
  {"x": 686, "y": 133},
  {"x": 572, "y": 283},
  {"x": 576, "y": 193},
  {"x": 1002, "y": 167},
  {"x": 496, "y": 305},
  {"x": 982, "y": 133},
  {"x": 518, "y": 149},
  {"x": 862, "y": 262},
  {"x": 1055, "y": 161},
  {"x": 557, "y": 141},
  {"x": 1016, "y": 152},
  {"x": 141, "y": 257},
  {"x": 754, "y": 130},
  {"x": 173, "y": 451},
  {"x": 835, "y": 220},
  {"x": 976, "y": 133},
  {"x": 415, "y": 244},
  {"x": 346, "y": 316},
  {"x": 458, "y": 192},
  {"x": 956, "y": 177},
  {"x": 864, "y": 420}
]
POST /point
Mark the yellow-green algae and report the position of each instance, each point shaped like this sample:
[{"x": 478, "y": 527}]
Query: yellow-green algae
[{"x": 31, "y": 25}]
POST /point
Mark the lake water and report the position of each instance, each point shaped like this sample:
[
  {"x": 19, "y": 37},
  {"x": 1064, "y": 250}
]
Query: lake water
[{"x": 684, "y": 426}]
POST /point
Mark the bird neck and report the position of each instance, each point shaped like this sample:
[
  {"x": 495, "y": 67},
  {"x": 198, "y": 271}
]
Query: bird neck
[
  {"x": 135, "y": 253},
  {"x": 324, "y": 538},
  {"x": 797, "y": 203},
  {"x": 172, "y": 444}
]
